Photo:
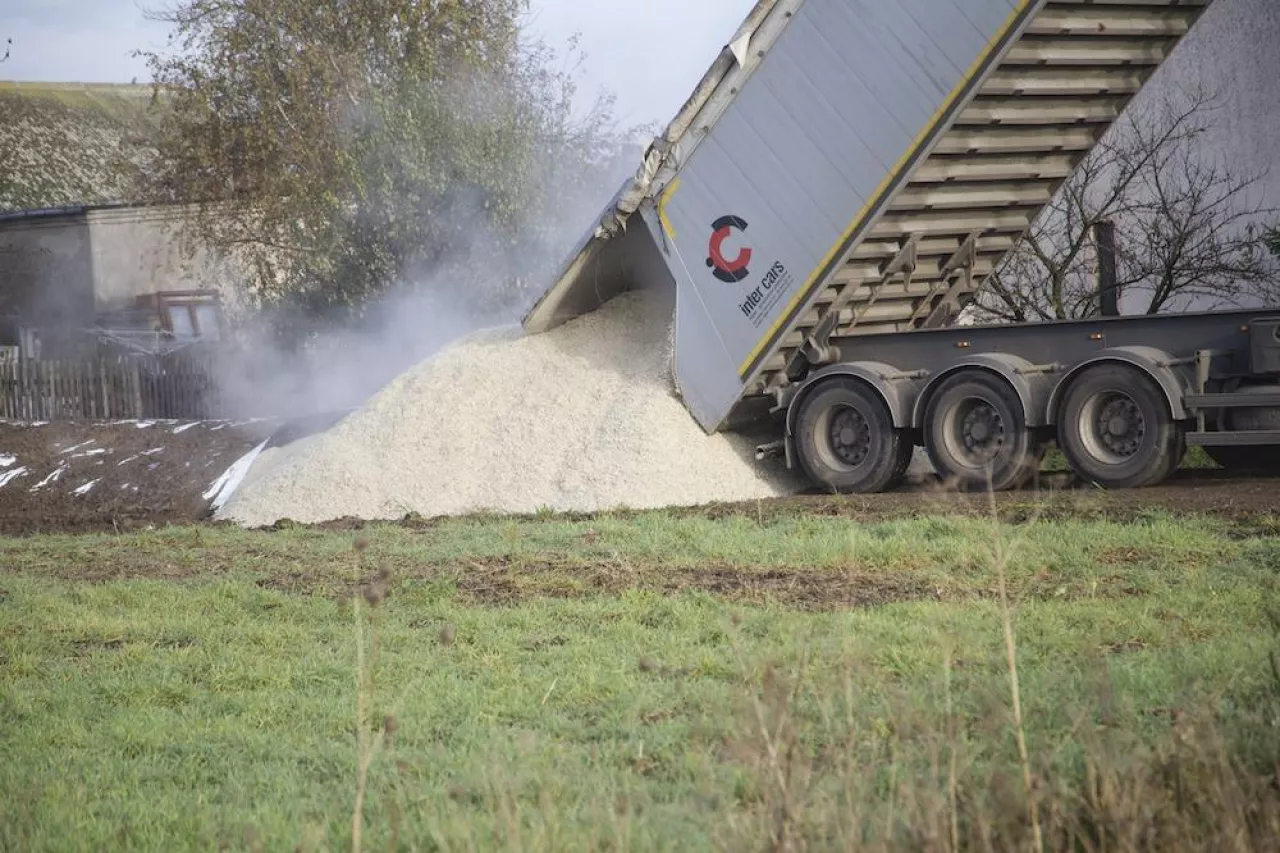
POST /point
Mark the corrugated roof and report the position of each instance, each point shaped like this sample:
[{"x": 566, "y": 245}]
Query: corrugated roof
[{"x": 69, "y": 144}]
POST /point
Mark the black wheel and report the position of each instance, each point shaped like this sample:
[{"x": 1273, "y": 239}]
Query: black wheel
[
  {"x": 1116, "y": 430},
  {"x": 846, "y": 440},
  {"x": 977, "y": 436}
]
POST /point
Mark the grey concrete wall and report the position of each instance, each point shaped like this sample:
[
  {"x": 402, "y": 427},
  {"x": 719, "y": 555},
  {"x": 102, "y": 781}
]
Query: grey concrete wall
[
  {"x": 61, "y": 270},
  {"x": 137, "y": 251},
  {"x": 1233, "y": 55},
  {"x": 46, "y": 270}
]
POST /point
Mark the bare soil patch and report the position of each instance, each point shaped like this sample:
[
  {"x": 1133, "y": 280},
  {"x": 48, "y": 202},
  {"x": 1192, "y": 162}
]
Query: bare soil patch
[
  {"x": 1197, "y": 492},
  {"x": 79, "y": 477},
  {"x": 500, "y": 582}
]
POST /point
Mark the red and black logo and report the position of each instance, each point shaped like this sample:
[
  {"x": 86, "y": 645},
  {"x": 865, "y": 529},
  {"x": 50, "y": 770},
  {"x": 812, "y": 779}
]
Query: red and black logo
[{"x": 728, "y": 271}]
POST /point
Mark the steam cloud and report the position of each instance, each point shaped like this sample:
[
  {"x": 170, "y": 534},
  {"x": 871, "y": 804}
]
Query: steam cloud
[{"x": 488, "y": 279}]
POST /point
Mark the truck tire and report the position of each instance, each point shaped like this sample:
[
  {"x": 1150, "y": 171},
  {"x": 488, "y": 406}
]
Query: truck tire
[
  {"x": 846, "y": 440},
  {"x": 977, "y": 436},
  {"x": 1116, "y": 430}
]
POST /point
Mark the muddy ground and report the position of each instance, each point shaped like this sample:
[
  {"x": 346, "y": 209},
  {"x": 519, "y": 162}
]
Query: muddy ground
[
  {"x": 1198, "y": 492},
  {"x": 1252, "y": 502},
  {"x": 123, "y": 475},
  {"x": 88, "y": 477}
]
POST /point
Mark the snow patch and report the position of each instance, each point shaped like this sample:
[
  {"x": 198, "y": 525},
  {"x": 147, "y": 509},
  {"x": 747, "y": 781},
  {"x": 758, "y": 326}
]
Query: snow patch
[
  {"x": 7, "y": 459},
  {"x": 185, "y": 427},
  {"x": 9, "y": 476}
]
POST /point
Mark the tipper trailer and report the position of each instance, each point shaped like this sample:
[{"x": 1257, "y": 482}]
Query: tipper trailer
[{"x": 836, "y": 192}]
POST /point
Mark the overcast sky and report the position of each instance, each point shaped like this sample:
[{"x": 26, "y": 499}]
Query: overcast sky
[{"x": 90, "y": 41}]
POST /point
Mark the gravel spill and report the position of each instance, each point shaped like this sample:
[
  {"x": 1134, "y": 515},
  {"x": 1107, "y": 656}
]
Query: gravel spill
[{"x": 583, "y": 418}]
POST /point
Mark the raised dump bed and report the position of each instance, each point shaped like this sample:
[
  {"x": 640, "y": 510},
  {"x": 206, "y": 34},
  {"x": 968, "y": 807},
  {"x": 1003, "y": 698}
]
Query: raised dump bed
[{"x": 851, "y": 168}]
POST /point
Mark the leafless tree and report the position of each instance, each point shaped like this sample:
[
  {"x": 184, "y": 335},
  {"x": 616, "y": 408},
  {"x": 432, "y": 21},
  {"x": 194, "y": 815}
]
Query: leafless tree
[{"x": 1190, "y": 230}]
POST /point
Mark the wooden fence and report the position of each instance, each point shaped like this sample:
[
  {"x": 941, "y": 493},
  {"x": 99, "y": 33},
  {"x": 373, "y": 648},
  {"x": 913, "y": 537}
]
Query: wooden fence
[{"x": 123, "y": 387}]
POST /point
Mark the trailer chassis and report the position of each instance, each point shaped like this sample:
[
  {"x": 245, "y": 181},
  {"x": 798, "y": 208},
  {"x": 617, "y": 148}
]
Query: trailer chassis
[{"x": 1123, "y": 397}]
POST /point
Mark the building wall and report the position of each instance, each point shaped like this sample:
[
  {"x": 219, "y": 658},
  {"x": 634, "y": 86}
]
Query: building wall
[
  {"x": 65, "y": 272},
  {"x": 138, "y": 251},
  {"x": 46, "y": 270},
  {"x": 69, "y": 266}
]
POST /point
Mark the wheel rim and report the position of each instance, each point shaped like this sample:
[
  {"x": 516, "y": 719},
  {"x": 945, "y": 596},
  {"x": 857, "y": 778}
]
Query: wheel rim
[
  {"x": 975, "y": 433},
  {"x": 1113, "y": 428},
  {"x": 848, "y": 436}
]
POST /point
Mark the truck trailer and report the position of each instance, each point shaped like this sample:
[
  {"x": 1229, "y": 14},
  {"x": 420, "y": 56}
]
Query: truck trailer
[{"x": 834, "y": 195}]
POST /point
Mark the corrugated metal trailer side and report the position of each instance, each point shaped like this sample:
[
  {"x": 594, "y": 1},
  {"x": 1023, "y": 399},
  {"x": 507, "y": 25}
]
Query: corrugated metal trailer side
[{"x": 856, "y": 167}]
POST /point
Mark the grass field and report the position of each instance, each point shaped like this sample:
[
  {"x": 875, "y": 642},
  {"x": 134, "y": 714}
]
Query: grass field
[{"x": 653, "y": 681}]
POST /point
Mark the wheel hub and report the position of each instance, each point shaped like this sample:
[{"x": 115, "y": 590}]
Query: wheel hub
[
  {"x": 850, "y": 436},
  {"x": 982, "y": 432},
  {"x": 1121, "y": 427}
]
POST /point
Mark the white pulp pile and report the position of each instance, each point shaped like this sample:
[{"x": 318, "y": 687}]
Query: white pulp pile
[{"x": 583, "y": 418}]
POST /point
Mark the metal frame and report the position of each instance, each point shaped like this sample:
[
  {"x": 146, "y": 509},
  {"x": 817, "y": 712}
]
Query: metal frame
[
  {"x": 1063, "y": 80},
  {"x": 1234, "y": 438},
  {"x": 1191, "y": 357}
]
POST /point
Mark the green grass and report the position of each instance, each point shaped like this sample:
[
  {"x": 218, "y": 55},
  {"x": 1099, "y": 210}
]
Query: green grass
[
  {"x": 657, "y": 681},
  {"x": 1196, "y": 459}
]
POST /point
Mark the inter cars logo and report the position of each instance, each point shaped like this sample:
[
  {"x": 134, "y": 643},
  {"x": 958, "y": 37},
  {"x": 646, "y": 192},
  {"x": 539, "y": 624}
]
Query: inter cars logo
[{"x": 728, "y": 270}]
